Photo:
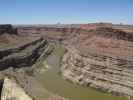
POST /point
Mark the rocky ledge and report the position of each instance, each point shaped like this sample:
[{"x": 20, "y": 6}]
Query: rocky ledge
[
  {"x": 20, "y": 57},
  {"x": 25, "y": 55},
  {"x": 103, "y": 61},
  {"x": 12, "y": 91}
]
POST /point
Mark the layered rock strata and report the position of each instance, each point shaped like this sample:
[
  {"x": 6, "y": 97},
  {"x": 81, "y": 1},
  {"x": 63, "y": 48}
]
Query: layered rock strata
[
  {"x": 25, "y": 55},
  {"x": 16, "y": 52},
  {"x": 102, "y": 72},
  {"x": 103, "y": 61}
]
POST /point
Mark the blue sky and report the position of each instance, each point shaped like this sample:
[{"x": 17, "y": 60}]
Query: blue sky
[{"x": 65, "y": 11}]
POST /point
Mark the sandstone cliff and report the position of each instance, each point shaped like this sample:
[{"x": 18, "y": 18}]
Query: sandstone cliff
[
  {"x": 101, "y": 58},
  {"x": 12, "y": 91},
  {"x": 20, "y": 56}
]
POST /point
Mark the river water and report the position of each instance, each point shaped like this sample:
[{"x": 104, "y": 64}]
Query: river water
[{"x": 53, "y": 82}]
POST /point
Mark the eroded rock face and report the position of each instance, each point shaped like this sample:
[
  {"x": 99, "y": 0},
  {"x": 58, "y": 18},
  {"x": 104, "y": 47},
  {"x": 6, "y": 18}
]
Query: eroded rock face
[
  {"x": 107, "y": 74},
  {"x": 25, "y": 55},
  {"x": 12, "y": 91},
  {"x": 103, "y": 61},
  {"x": 97, "y": 57},
  {"x": 18, "y": 51}
]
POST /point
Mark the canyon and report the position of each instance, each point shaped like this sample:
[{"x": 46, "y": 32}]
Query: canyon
[
  {"x": 95, "y": 55},
  {"x": 19, "y": 56}
]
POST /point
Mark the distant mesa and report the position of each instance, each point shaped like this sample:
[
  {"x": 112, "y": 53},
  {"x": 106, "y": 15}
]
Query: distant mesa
[{"x": 7, "y": 28}]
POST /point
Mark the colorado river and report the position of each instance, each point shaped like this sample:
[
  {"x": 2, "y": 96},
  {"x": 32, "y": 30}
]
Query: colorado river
[{"x": 53, "y": 82}]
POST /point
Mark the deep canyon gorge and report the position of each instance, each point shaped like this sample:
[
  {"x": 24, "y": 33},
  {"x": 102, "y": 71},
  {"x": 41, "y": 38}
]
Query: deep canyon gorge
[{"x": 60, "y": 62}]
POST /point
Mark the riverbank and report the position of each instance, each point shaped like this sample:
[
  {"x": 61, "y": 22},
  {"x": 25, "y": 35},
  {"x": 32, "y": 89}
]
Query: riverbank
[{"x": 53, "y": 82}]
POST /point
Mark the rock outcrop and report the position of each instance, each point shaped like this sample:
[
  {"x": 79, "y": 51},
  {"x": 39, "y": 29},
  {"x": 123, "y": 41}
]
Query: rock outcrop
[
  {"x": 20, "y": 58},
  {"x": 12, "y": 91},
  {"x": 25, "y": 55},
  {"x": 103, "y": 61}
]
